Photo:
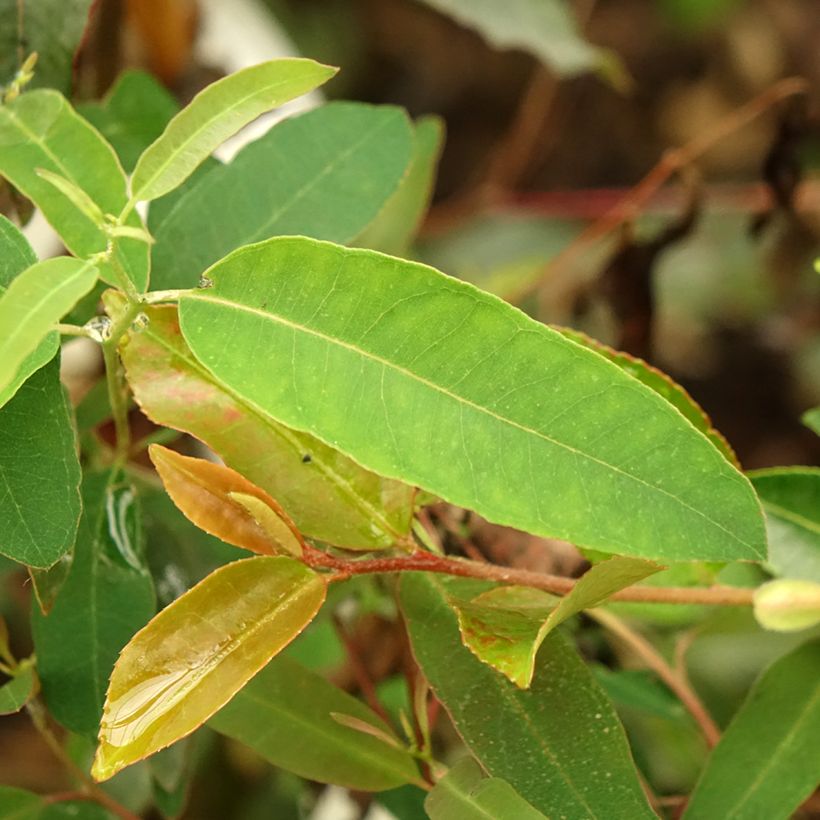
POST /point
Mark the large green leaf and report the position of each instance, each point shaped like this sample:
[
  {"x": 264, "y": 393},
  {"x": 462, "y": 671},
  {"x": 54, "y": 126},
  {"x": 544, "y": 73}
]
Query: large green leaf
[
  {"x": 52, "y": 28},
  {"x": 31, "y": 306},
  {"x": 544, "y": 28},
  {"x": 39, "y": 472},
  {"x": 324, "y": 174},
  {"x": 285, "y": 714},
  {"x": 466, "y": 793},
  {"x": 133, "y": 114},
  {"x": 766, "y": 763},
  {"x": 216, "y": 113},
  {"x": 505, "y": 626},
  {"x": 558, "y": 744},
  {"x": 430, "y": 381},
  {"x": 106, "y": 598},
  {"x": 40, "y": 130},
  {"x": 15, "y": 256},
  {"x": 329, "y": 496},
  {"x": 395, "y": 227},
  {"x": 791, "y": 501},
  {"x": 198, "y": 652}
]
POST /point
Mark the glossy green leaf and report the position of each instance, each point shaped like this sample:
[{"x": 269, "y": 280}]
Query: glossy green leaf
[
  {"x": 107, "y": 596},
  {"x": 325, "y": 174},
  {"x": 811, "y": 418},
  {"x": 544, "y": 28},
  {"x": 199, "y": 651},
  {"x": 658, "y": 381},
  {"x": 787, "y": 605},
  {"x": 40, "y": 130},
  {"x": 791, "y": 501},
  {"x": 52, "y": 28},
  {"x": 132, "y": 115},
  {"x": 466, "y": 793},
  {"x": 558, "y": 744},
  {"x": 766, "y": 763},
  {"x": 435, "y": 383},
  {"x": 15, "y": 256},
  {"x": 39, "y": 472},
  {"x": 505, "y": 627},
  {"x": 284, "y": 714},
  {"x": 216, "y": 113},
  {"x": 395, "y": 227},
  {"x": 31, "y": 306},
  {"x": 329, "y": 496},
  {"x": 17, "y": 692}
]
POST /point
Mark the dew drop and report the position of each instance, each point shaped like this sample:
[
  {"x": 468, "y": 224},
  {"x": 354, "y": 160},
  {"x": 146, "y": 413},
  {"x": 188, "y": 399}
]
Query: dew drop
[{"x": 99, "y": 328}]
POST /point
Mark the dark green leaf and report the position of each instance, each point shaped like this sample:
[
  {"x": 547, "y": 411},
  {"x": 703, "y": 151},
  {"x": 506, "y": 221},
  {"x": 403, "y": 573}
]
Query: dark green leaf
[
  {"x": 558, "y": 744},
  {"x": 766, "y": 763},
  {"x": 324, "y": 174},
  {"x": 40, "y": 471},
  {"x": 284, "y": 714},
  {"x": 107, "y": 596},
  {"x": 430, "y": 381}
]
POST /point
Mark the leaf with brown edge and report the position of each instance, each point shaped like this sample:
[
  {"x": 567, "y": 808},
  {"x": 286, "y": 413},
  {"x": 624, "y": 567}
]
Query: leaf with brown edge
[
  {"x": 225, "y": 504},
  {"x": 199, "y": 651}
]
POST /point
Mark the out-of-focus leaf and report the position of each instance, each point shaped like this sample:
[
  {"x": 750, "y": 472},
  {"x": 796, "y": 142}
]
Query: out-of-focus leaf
[
  {"x": 505, "y": 626},
  {"x": 405, "y": 802},
  {"x": 31, "y": 306},
  {"x": 477, "y": 402},
  {"x": 40, "y": 129},
  {"x": 199, "y": 651},
  {"x": 325, "y": 174},
  {"x": 787, "y": 605},
  {"x": 40, "y": 471},
  {"x": 559, "y": 744},
  {"x": 132, "y": 115},
  {"x": 217, "y": 112},
  {"x": 395, "y": 227},
  {"x": 791, "y": 501},
  {"x": 17, "y": 692},
  {"x": 466, "y": 793},
  {"x": 107, "y": 596},
  {"x": 811, "y": 418},
  {"x": 286, "y": 701},
  {"x": 52, "y": 28},
  {"x": 766, "y": 763},
  {"x": 638, "y": 689},
  {"x": 544, "y": 28},
  {"x": 329, "y": 496},
  {"x": 17, "y": 804},
  {"x": 658, "y": 381},
  {"x": 16, "y": 256},
  {"x": 225, "y": 504}
]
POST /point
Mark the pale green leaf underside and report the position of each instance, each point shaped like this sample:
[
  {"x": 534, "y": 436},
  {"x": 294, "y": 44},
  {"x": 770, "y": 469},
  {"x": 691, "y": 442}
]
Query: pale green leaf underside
[
  {"x": 466, "y": 793},
  {"x": 766, "y": 763},
  {"x": 428, "y": 380},
  {"x": 17, "y": 692},
  {"x": 216, "y": 113}
]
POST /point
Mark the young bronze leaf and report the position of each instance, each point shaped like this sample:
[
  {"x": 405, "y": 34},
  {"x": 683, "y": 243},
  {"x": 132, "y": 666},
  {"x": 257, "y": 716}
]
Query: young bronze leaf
[
  {"x": 225, "y": 504},
  {"x": 199, "y": 651}
]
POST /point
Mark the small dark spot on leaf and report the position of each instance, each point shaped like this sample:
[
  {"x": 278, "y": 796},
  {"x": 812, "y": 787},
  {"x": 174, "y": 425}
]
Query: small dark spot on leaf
[{"x": 307, "y": 458}]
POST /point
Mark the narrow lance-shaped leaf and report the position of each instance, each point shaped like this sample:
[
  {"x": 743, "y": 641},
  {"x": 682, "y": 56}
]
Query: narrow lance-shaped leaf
[
  {"x": 326, "y": 174},
  {"x": 328, "y": 495},
  {"x": 791, "y": 501},
  {"x": 559, "y": 744},
  {"x": 505, "y": 627},
  {"x": 766, "y": 763},
  {"x": 41, "y": 131},
  {"x": 216, "y": 113},
  {"x": 223, "y": 503},
  {"x": 787, "y": 605},
  {"x": 286, "y": 701},
  {"x": 33, "y": 304},
  {"x": 107, "y": 596},
  {"x": 466, "y": 793},
  {"x": 465, "y": 396},
  {"x": 199, "y": 651},
  {"x": 39, "y": 471},
  {"x": 16, "y": 256}
]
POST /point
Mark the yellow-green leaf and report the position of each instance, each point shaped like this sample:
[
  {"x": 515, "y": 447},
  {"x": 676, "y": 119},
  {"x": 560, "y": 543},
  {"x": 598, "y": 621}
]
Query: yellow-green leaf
[
  {"x": 787, "y": 605},
  {"x": 199, "y": 651}
]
